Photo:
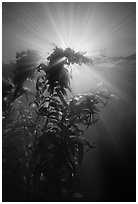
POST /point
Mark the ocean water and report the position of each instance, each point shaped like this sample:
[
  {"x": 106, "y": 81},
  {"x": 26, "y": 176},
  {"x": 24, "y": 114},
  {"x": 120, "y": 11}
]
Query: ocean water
[{"x": 109, "y": 170}]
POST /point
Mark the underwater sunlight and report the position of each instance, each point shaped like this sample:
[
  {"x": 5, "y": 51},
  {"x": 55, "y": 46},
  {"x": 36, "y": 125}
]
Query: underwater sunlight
[{"x": 69, "y": 101}]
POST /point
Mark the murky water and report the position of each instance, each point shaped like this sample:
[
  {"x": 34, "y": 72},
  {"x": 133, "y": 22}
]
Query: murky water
[{"x": 109, "y": 170}]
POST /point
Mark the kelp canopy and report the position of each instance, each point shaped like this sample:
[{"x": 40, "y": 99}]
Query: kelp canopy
[{"x": 52, "y": 147}]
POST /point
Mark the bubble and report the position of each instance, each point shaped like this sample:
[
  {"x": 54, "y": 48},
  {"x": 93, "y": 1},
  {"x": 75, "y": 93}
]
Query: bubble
[
  {"x": 33, "y": 105},
  {"x": 114, "y": 96},
  {"x": 99, "y": 84}
]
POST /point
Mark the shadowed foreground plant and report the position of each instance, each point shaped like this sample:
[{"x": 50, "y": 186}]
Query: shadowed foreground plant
[{"x": 54, "y": 141}]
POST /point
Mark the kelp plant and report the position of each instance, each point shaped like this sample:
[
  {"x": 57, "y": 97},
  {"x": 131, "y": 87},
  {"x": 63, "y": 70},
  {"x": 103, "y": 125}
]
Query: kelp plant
[{"x": 54, "y": 139}]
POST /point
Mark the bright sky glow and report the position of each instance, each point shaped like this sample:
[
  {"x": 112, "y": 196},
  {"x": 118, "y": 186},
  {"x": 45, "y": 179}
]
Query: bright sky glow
[{"x": 91, "y": 27}]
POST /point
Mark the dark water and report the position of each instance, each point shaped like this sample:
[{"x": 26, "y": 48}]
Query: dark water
[{"x": 108, "y": 170}]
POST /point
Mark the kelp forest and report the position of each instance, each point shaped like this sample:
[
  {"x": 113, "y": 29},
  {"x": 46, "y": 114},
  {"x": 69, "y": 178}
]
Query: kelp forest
[{"x": 44, "y": 129}]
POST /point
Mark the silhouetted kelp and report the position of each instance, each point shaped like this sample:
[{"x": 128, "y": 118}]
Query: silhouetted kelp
[{"x": 53, "y": 142}]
